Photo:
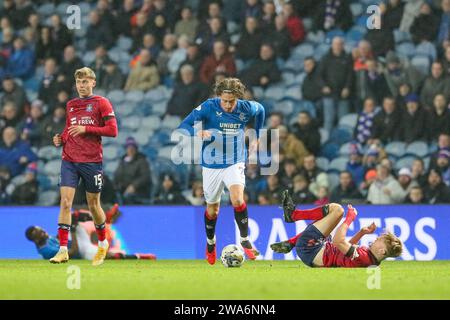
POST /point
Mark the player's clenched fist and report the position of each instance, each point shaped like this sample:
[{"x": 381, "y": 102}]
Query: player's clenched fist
[
  {"x": 204, "y": 134},
  {"x": 57, "y": 141},
  {"x": 77, "y": 130}
]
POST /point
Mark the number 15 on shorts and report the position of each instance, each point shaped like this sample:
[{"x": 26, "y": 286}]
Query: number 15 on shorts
[{"x": 98, "y": 180}]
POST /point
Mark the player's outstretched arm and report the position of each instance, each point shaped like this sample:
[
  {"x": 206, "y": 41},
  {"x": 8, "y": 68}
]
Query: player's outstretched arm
[
  {"x": 108, "y": 130},
  {"x": 339, "y": 238},
  {"x": 366, "y": 230},
  {"x": 196, "y": 115}
]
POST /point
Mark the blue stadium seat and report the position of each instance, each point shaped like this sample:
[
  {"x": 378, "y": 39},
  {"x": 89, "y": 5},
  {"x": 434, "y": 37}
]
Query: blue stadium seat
[
  {"x": 308, "y": 23},
  {"x": 111, "y": 167},
  {"x": 356, "y": 9},
  {"x": 286, "y": 107},
  {"x": 136, "y": 96},
  {"x": 330, "y": 150},
  {"x": 404, "y": 162},
  {"x": 155, "y": 95},
  {"x": 426, "y": 162},
  {"x": 288, "y": 77},
  {"x": 342, "y": 134},
  {"x": 401, "y": 36},
  {"x": 396, "y": 148},
  {"x": 305, "y": 105},
  {"x": 124, "y": 43},
  {"x": 275, "y": 92},
  {"x": 338, "y": 164},
  {"x": 47, "y": 198},
  {"x": 142, "y": 136},
  {"x": 124, "y": 109},
  {"x": 421, "y": 63},
  {"x": 324, "y": 135},
  {"x": 89, "y": 57},
  {"x": 417, "y": 148},
  {"x": 427, "y": 49},
  {"x": 344, "y": 150},
  {"x": 151, "y": 123},
  {"x": 293, "y": 92},
  {"x": 317, "y": 37},
  {"x": 52, "y": 167},
  {"x": 46, "y": 9},
  {"x": 334, "y": 33},
  {"x": 159, "y": 108},
  {"x": 333, "y": 180},
  {"x": 131, "y": 123},
  {"x": 111, "y": 152},
  {"x": 432, "y": 148},
  {"x": 258, "y": 93},
  {"x": 116, "y": 96},
  {"x": 32, "y": 84},
  {"x": 303, "y": 50},
  {"x": 354, "y": 35},
  {"x": 171, "y": 122},
  {"x": 49, "y": 153},
  {"x": 349, "y": 120},
  {"x": 44, "y": 182},
  {"x": 405, "y": 49},
  {"x": 321, "y": 50},
  {"x": 150, "y": 152},
  {"x": 323, "y": 163}
]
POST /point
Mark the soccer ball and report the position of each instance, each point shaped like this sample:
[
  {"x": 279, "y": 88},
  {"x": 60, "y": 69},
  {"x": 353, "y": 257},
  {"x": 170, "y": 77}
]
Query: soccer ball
[{"x": 232, "y": 256}]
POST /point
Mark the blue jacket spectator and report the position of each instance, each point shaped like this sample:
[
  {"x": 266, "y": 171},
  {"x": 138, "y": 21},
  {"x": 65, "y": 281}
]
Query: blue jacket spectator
[
  {"x": 15, "y": 154},
  {"x": 21, "y": 61}
]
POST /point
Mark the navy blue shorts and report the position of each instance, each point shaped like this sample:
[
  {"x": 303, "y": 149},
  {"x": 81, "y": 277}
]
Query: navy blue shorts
[
  {"x": 309, "y": 244},
  {"x": 91, "y": 175}
]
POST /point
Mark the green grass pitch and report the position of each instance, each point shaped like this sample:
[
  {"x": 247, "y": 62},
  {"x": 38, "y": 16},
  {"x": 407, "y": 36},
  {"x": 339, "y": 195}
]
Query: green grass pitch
[{"x": 195, "y": 279}]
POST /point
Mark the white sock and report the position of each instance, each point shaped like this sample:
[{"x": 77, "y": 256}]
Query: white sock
[
  {"x": 62, "y": 248},
  {"x": 211, "y": 241},
  {"x": 103, "y": 244},
  {"x": 244, "y": 239}
]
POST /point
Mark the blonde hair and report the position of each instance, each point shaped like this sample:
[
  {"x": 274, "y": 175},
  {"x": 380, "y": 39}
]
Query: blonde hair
[
  {"x": 85, "y": 73},
  {"x": 394, "y": 246},
  {"x": 230, "y": 85}
]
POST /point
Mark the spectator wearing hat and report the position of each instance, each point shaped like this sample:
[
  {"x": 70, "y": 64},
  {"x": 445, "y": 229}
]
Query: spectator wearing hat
[
  {"x": 406, "y": 181},
  {"x": 385, "y": 189},
  {"x": 31, "y": 127},
  {"x": 415, "y": 196},
  {"x": 14, "y": 153},
  {"x": 436, "y": 191},
  {"x": 436, "y": 83},
  {"x": 373, "y": 156},
  {"x": 369, "y": 178},
  {"x": 438, "y": 118},
  {"x": 354, "y": 165},
  {"x": 443, "y": 164},
  {"x": 26, "y": 193},
  {"x": 443, "y": 142},
  {"x": 386, "y": 123},
  {"x": 364, "y": 123},
  {"x": 301, "y": 193},
  {"x": 397, "y": 73},
  {"x": 413, "y": 121},
  {"x": 169, "y": 192},
  {"x": 306, "y": 130},
  {"x": 132, "y": 177},
  {"x": 346, "y": 191}
]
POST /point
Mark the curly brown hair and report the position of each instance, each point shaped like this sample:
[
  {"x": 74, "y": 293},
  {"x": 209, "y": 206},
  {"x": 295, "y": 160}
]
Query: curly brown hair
[
  {"x": 230, "y": 85},
  {"x": 394, "y": 246}
]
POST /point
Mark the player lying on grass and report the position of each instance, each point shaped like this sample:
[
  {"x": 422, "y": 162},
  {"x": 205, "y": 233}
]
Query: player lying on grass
[
  {"x": 315, "y": 247},
  {"x": 81, "y": 246}
]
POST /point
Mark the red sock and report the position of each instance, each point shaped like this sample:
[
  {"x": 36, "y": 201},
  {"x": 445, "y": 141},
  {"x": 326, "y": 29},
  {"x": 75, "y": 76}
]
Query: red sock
[
  {"x": 241, "y": 208},
  {"x": 63, "y": 234},
  {"x": 308, "y": 214},
  {"x": 293, "y": 240},
  {"x": 101, "y": 231}
]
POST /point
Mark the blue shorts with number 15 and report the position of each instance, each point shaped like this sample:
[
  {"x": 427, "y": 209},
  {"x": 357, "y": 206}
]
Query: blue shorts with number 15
[{"x": 90, "y": 173}]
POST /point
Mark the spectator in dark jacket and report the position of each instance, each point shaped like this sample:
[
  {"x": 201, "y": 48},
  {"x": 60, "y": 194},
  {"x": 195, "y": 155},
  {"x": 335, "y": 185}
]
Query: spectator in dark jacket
[
  {"x": 311, "y": 86},
  {"x": 194, "y": 59},
  {"x": 112, "y": 78},
  {"x": 71, "y": 62},
  {"x": 398, "y": 73},
  {"x": 301, "y": 193},
  {"x": 21, "y": 62},
  {"x": 99, "y": 64},
  {"x": 386, "y": 123},
  {"x": 8, "y": 116},
  {"x": 371, "y": 83},
  {"x": 436, "y": 191},
  {"x": 13, "y": 92},
  {"x": 15, "y": 154},
  {"x": 61, "y": 35},
  {"x": 220, "y": 61},
  {"x": 98, "y": 32},
  {"x": 336, "y": 73},
  {"x": 132, "y": 177},
  {"x": 250, "y": 40},
  {"x": 26, "y": 193},
  {"x": 187, "y": 94},
  {"x": 333, "y": 14},
  {"x": 392, "y": 13},
  {"x": 169, "y": 192},
  {"x": 307, "y": 131},
  {"x": 438, "y": 119},
  {"x": 278, "y": 37},
  {"x": 216, "y": 32},
  {"x": 415, "y": 196},
  {"x": 443, "y": 143},
  {"x": 288, "y": 173},
  {"x": 413, "y": 120},
  {"x": 346, "y": 191},
  {"x": 425, "y": 26},
  {"x": 49, "y": 84},
  {"x": 54, "y": 123},
  {"x": 45, "y": 48},
  {"x": 31, "y": 127},
  {"x": 264, "y": 71},
  {"x": 381, "y": 38},
  {"x": 437, "y": 83}
]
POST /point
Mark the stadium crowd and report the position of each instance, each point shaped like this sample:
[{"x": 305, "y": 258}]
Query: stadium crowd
[{"x": 362, "y": 111}]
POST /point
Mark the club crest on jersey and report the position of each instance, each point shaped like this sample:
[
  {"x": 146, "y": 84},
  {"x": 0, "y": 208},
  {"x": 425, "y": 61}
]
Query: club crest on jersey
[
  {"x": 89, "y": 108},
  {"x": 218, "y": 114},
  {"x": 242, "y": 116}
]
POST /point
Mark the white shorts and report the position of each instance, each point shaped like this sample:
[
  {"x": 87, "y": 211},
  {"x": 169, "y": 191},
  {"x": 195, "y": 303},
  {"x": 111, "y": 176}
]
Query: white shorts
[
  {"x": 86, "y": 249},
  {"x": 214, "y": 180}
]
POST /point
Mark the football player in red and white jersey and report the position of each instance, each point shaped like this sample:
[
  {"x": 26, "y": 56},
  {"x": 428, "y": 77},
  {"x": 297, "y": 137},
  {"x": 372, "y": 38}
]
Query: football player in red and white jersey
[
  {"x": 88, "y": 118},
  {"x": 315, "y": 247}
]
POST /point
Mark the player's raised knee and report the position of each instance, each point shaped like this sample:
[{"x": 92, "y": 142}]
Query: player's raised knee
[{"x": 336, "y": 209}]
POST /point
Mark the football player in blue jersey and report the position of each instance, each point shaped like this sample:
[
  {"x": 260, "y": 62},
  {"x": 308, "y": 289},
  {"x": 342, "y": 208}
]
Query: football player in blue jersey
[{"x": 223, "y": 120}]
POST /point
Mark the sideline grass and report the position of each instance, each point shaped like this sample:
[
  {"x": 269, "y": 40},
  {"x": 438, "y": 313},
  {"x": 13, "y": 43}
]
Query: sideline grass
[{"x": 195, "y": 279}]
